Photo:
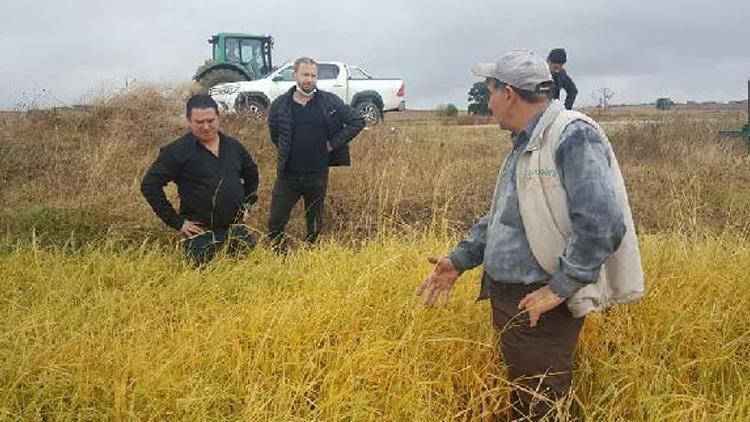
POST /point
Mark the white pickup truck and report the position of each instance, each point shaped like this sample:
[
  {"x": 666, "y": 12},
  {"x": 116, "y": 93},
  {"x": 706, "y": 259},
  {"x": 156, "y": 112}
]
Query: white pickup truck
[{"x": 370, "y": 96}]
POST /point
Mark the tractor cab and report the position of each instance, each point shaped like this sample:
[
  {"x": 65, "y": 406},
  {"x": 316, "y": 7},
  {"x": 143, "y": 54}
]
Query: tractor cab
[{"x": 236, "y": 57}]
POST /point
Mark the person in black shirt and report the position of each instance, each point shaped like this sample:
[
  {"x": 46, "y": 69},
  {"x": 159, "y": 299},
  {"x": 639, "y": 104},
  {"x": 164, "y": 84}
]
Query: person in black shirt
[
  {"x": 556, "y": 60},
  {"x": 216, "y": 179},
  {"x": 311, "y": 129}
]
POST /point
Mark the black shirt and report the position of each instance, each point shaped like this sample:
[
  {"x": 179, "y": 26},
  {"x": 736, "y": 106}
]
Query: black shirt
[
  {"x": 309, "y": 152},
  {"x": 212, "y": 189}
]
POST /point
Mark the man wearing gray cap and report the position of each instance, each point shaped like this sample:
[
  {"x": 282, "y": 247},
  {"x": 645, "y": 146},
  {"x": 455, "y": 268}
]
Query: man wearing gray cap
[{"x": 559, "y": 239}]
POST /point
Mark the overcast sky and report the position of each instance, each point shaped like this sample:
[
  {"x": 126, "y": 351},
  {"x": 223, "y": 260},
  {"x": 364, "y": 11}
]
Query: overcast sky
[{"x": 642, "y": 49}]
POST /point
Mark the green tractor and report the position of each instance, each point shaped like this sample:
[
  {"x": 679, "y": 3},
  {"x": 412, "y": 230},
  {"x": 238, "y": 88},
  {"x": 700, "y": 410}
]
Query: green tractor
[{"x": 236, "y": 57}]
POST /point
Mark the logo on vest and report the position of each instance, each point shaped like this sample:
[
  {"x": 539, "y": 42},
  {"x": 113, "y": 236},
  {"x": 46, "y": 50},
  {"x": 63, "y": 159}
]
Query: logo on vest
[
  {"x": 542, "y": 173},
  {"x": 542, "y": 177}
]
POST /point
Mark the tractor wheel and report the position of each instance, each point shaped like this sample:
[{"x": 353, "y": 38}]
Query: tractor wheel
[
  {"x": 370, "y": 111},
  {"x": 252, "y": 108},
  {"x": 220, "y": 76}
]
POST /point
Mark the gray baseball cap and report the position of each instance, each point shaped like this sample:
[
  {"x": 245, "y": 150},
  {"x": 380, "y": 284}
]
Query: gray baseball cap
[{"x": 519, "y": 68}]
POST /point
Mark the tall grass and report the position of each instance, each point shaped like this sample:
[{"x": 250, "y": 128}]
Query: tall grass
[
  {"x": 80, "y": 169},
  {"x": 337, "y": 333},
  {"x": 103, "y": 320}
]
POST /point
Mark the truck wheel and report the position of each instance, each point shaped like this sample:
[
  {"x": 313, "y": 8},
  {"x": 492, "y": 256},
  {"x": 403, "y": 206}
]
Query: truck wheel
[
  {"x": 370, "y": 111},
  {"x": 220, "y": 76},
  {"x": 252, "y": 108}
]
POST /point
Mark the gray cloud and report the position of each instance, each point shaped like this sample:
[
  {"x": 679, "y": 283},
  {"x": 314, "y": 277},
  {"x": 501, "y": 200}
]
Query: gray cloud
[{"x": 641, "y": 49}]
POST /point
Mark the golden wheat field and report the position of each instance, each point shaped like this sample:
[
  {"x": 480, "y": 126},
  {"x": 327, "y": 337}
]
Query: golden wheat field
[{"x": 103, "y": 320}]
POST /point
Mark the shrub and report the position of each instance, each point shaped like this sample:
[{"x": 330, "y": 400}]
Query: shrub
[{"x": 447, "y": 110}]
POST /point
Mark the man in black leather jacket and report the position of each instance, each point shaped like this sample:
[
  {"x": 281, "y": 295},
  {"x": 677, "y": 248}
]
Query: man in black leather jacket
[{"x": 311, "y": 129}]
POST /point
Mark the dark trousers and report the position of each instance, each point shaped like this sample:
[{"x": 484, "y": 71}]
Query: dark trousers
[
  {"x": 539, "y": 359},
  {"x": 204, "y": 247},
  {"x": 288, "y": 189}
]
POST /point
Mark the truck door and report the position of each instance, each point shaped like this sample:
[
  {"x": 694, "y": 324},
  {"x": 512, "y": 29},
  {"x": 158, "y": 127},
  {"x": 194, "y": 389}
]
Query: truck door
[{"x": 333, "y": 78}]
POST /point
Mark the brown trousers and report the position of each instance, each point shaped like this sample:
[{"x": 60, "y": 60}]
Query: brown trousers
[{"x": 539, "y": 359}]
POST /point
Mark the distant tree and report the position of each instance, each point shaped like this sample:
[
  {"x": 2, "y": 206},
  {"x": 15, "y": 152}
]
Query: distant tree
[
  {"x": 603, "y": 96},
  {"x": 447, "y": 110},
  {"x": 479, "y": 96}
]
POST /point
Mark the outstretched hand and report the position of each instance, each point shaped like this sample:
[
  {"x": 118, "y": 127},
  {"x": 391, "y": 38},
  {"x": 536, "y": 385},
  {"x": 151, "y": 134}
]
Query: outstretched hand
[{"x": 439, "y": 283}]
